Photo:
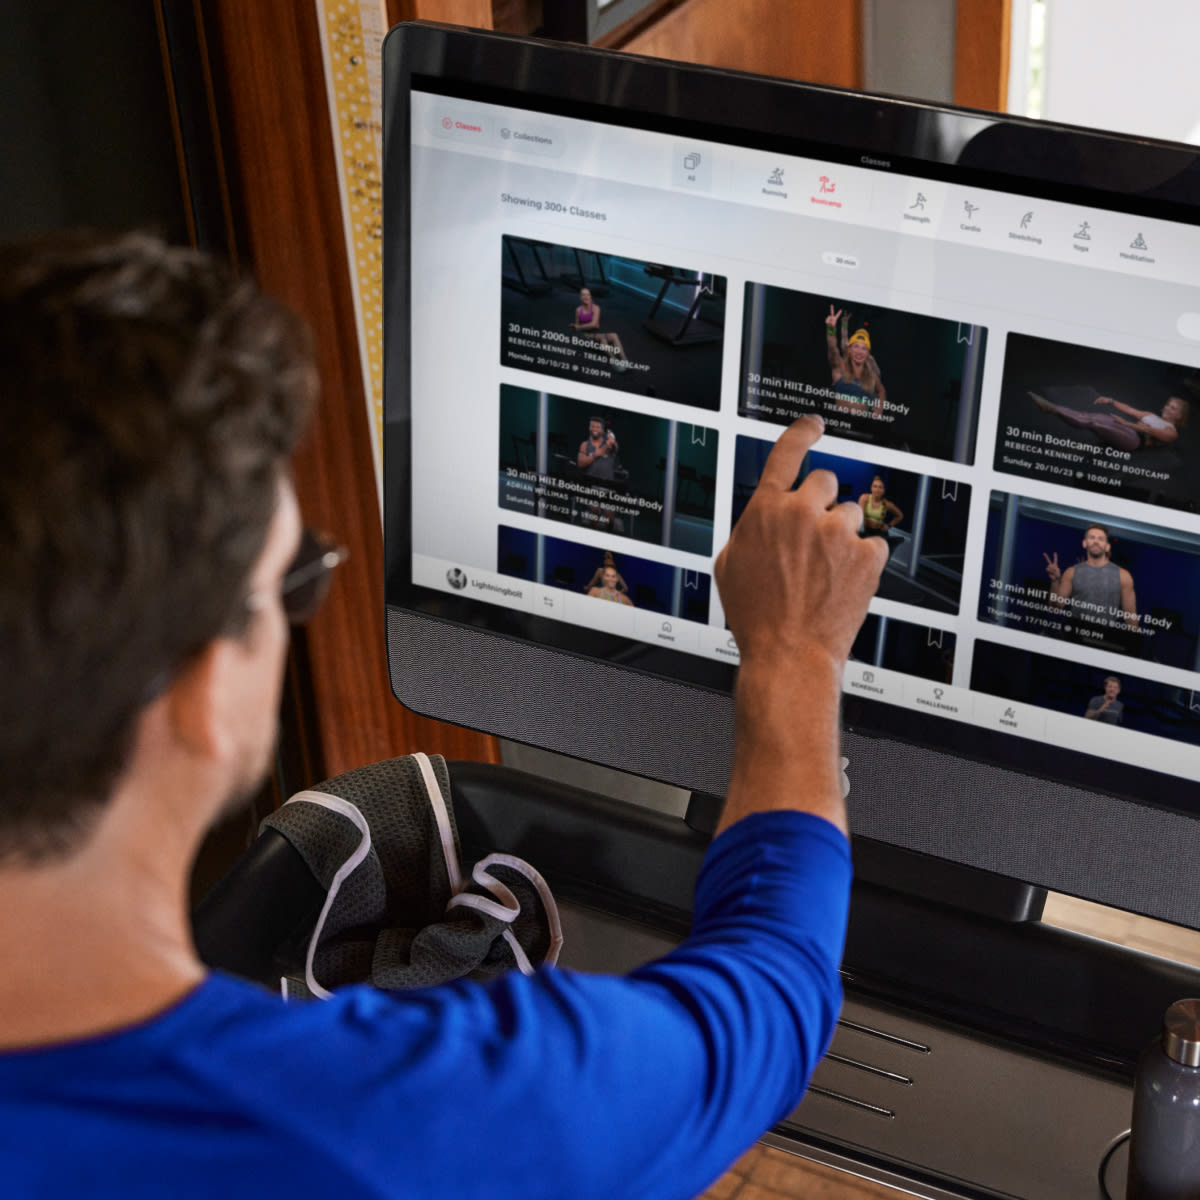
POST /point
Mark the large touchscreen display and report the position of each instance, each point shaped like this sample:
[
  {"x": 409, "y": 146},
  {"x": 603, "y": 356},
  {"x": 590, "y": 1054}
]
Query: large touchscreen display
[{"x": 610, "y": 326}]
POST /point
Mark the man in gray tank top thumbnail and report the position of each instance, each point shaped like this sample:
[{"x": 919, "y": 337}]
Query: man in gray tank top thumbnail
[{"x": 1097, "y": 590}]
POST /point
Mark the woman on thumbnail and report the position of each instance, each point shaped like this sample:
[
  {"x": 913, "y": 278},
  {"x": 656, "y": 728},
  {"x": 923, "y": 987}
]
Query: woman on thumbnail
[
  {"x": 856, "y": 375},
  {"x": 879, "y": 513},
  {"x": 587, "y": 322},
  {"x": 607, "y": 584},
  {"x": 1148, "y": 431}
]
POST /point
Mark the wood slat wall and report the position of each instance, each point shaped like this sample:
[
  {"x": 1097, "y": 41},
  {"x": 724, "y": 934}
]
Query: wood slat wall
[
  {"x": 981, "y": 47},
  {"x": 293, "y": 229},
  {"x": 477, "y": 14},
  {"x": 802, "y": 39}
]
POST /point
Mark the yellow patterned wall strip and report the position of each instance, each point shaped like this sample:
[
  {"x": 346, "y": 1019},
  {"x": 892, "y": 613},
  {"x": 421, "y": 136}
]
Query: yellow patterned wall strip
[{"x": 351, "y": 40}]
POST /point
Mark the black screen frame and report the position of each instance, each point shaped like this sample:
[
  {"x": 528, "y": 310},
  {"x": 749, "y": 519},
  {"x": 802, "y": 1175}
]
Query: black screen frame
[{"x": 525, "y": 672}]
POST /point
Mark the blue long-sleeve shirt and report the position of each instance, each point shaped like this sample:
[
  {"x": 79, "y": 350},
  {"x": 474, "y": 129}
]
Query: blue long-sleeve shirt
[{"x": 557, "y": 1085}]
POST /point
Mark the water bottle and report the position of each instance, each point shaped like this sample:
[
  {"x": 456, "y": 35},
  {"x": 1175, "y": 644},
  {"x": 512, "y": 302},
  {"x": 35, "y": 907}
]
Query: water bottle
[{"x": 1164, "y": 1143}]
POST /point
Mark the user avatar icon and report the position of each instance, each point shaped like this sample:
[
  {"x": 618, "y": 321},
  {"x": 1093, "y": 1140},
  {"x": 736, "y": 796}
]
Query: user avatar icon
[{"x": 456, "y": 577}]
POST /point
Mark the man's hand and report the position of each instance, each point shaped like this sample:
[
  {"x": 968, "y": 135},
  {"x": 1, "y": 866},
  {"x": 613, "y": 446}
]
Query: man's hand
[
  {"x": 795, "y": 577},
  {"x": 795, "y": 580},
  {"x": 1052, "y": 568}
]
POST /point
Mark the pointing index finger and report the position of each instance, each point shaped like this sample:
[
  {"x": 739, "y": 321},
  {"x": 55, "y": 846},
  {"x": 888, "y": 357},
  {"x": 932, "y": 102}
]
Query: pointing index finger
[{"x": 784, "y": 461}]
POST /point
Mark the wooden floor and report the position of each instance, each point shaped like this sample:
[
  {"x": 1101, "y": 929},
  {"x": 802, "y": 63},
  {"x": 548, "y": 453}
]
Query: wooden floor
[
  {"x": 769, "y": 1174},
  {"x": 1139, "y": 933},
  {"x": 766, "y": 1173}
]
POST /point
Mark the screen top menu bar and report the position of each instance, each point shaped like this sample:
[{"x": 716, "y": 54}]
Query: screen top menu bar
[{"x": 834, "y": 192}]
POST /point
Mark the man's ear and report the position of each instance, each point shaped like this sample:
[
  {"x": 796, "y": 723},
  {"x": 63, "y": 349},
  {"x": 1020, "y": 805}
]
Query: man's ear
[{"x": 197, "y": 702}]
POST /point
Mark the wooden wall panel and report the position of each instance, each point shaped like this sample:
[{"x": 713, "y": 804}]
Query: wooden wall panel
[
  {"x": 516, "y": 16},
  {"x": 475, "y": 13},
  {"x": 280, "y": 132},
  {"x": 811, "y": 40},
  {"x": 981, "y": 40}
]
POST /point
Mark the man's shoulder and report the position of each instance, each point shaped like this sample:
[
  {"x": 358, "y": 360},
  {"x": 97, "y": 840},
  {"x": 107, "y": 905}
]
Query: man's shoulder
[
  {"x": 205, "y": 1043},
  {"x": 225, "y": 1011},
  {"x": 258, "y": 1093}
]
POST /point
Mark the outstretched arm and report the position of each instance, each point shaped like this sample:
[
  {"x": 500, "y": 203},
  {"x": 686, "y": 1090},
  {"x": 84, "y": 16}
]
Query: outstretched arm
[
  {"x": 724, "y": 1031},
  {"x": 1155, "y": 434},
  {"x": 1127, "y": 409},
  {"x": 795, "y": 581}
]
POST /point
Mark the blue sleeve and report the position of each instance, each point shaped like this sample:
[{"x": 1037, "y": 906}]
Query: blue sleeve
[{"x": 566, "y": 1084}]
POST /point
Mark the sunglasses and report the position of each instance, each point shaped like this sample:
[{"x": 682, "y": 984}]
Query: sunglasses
[{"x": 306, "y": 583}]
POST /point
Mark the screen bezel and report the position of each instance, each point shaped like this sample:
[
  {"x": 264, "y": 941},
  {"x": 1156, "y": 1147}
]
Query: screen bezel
[{"x": 674, "y": 712}]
